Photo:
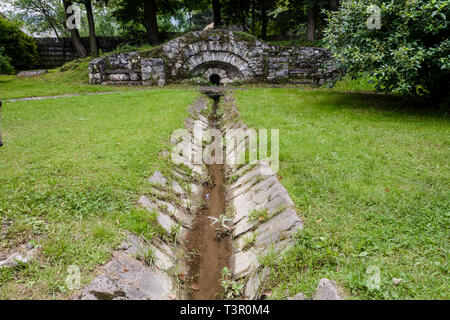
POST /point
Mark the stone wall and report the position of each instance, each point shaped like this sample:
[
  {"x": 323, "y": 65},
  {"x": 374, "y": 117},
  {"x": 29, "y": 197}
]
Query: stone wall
[{"x": 234, "y": 56}]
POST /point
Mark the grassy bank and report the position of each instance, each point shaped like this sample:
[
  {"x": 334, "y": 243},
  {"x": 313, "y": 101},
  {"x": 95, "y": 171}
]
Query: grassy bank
[
  {"x": 370, "y": 178},
  {"x": 71, "y": 172}
]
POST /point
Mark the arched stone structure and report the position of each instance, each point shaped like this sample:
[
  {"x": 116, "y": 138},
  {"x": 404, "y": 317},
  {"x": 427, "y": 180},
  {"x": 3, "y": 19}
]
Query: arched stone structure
[
  {"x": 223, "y": 60},
  {"x": 232, "y": 55}
]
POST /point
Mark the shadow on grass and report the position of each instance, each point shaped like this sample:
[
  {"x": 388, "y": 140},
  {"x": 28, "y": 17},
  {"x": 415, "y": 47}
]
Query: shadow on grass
[{"x": 406, "y": 105}]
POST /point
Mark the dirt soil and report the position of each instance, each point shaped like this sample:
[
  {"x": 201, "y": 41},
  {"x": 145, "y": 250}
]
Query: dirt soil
[{"x": 212, "y": 254}]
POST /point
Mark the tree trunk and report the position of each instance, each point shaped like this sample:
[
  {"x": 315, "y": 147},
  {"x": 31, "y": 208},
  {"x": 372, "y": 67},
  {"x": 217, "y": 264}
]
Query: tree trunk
[
  {"x": 79, "y": 46},
  {"x": 92, "y": 36},
  {"x": 151, "y": 24},
  {"x": 334, "y": 5},
  {"x": 311, "y": 27},
  {"x": 217, "y": 14},
  {"x": 264, "y": 22},
  {"x": 253, "y": 17}
]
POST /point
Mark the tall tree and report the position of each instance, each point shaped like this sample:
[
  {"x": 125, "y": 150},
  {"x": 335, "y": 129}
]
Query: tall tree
[
  {"x": 311, "y": 25},
  {"x": 135, "y": 14},
  {"x": 263, "y": 21},
  {"x": 265, "y": 6},
  {"x": 334, "y": 4},
  {"x": 151, "y": 24},
  {"x": 314, "y": 7},
  {"x": 74, "y": 34},
  {"x": 217, "y": 14},
  {"x": 252, "y": 3},
  {"x": 92, "y": 36}
]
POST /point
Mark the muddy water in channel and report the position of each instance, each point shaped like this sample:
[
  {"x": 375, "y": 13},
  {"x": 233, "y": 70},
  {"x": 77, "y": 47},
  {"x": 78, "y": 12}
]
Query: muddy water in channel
[{"x": 212, "y": 254}]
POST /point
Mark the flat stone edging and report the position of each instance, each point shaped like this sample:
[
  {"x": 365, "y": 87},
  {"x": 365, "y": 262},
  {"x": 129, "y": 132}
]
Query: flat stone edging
[{"x": 256, "y": 188}]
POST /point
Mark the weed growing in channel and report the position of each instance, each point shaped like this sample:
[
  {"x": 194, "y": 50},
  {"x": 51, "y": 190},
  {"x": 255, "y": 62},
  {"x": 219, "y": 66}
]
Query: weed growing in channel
[
  {"x": 147, "y": 256},
  {"x": 231, "y": 289},
  {"x": 261, "y": 215},
  {"x": 249, "y": 241}
]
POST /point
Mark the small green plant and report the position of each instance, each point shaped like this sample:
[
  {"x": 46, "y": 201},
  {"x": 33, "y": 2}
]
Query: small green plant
[
  {"x": 219, "y": 112},
  {"x": 233, "y": 179},
  {"x": 190, "y": 254},
  {"x": 147, "y": 256},
  {"x": 231, "y": 289},
  {"x": 259, "y": 178},
  {"x": 222, "y": 220},
  {"x": 164, "y": 208},
  {"x": 279, "y": 209},
  {"x": 223, "y": 230},
  {"x": 175, "y": 232},
  {"x": 259, "y": 215},
  {"x": 249, "y": 241},
  {"x": 230, "y": 211}
]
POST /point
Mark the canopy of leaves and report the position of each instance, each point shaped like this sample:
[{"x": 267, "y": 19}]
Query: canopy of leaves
[
  {"x": 408, "y": 54},
  {"x": 5, "y": 64},
  {"x": 40, "y": 15},
  {"x": 18, "y": 46}
]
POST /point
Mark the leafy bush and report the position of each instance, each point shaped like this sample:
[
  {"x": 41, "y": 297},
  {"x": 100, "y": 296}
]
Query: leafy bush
[
  {"x": 18, "y": 46},
  {"x": 409, "y": 54},
  {"x": 5, "y": 63}
]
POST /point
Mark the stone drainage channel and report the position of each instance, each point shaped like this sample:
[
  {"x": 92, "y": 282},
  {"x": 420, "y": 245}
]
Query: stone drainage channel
[{"x": 218, "y": 220}]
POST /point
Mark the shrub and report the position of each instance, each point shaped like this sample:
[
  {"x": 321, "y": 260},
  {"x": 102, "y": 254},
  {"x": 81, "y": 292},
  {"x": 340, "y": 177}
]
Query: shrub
[
  {"x": 409, "y": 54},
  {"x": 18, "y": 46},
  {"x": 5, "y": 63}
]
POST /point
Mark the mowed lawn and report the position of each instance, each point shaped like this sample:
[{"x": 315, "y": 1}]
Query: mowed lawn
[
  {"x": 370, "y": 178},
  {"x": 71, "y": 172}
]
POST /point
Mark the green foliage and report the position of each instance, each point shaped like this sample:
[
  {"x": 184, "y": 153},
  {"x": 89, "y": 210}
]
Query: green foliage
[
  {"x": 409, "y": 54},
  {"x": 40, "y": 15},
  {"x": 5, "y": 63},
  {"x": 18, "y": 46},
  {"x": 258, "y": 215},
  {"x": 249, "y": 241},
  {"x": 147, "y": 256},
  {"x": 232, "y": 289}
]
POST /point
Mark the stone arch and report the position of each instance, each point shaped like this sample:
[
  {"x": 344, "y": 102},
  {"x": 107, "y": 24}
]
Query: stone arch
[
  {"x": 232, "y": 64},
  {"x": 227, "y": 72}
]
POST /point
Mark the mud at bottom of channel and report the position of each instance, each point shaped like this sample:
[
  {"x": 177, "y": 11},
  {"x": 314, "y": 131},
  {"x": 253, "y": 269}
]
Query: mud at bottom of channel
[{"x": 210, "y": 252}]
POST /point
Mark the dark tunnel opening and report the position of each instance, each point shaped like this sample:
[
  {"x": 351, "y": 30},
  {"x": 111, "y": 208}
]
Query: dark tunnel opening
[{"x": 215, "y": 79}]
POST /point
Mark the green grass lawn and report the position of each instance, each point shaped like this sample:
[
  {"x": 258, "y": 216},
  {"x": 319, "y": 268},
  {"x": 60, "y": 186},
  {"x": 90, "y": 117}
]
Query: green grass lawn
[
  {"x": 55, "y": 82},
  {"x": 371, "y": 182},
  {"x": 71, "y": 172}
]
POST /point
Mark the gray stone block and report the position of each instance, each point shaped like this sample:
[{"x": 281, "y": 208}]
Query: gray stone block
[{"x": 327, "y": 290}]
